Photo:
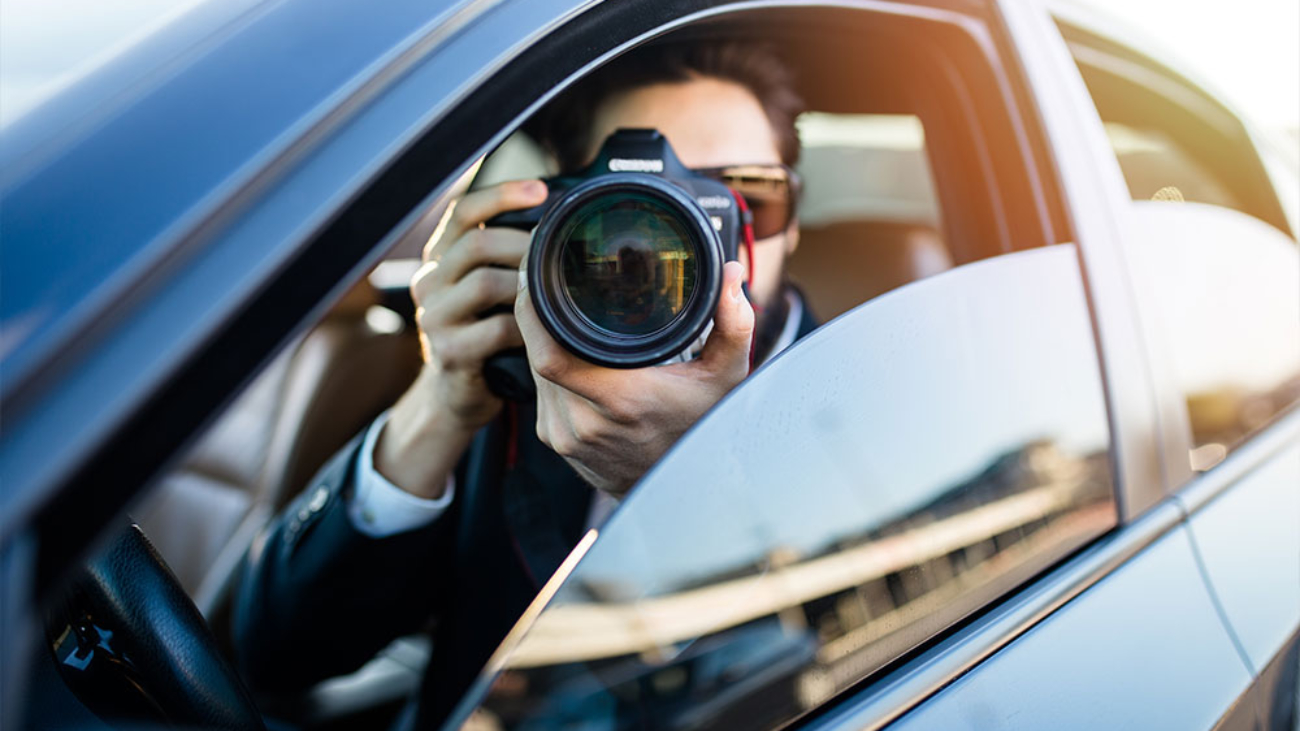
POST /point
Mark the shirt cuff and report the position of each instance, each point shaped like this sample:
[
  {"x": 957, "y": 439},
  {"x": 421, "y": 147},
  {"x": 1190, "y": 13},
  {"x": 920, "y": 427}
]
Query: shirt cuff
[{"x": 378, "y": 508}]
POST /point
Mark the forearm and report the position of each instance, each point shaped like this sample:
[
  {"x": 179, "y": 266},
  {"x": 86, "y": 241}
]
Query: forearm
[{"x": 420, "y": 446}]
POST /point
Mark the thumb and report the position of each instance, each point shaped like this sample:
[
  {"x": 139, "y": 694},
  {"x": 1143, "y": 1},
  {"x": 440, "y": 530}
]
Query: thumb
[{"x": 733, "y": 326}]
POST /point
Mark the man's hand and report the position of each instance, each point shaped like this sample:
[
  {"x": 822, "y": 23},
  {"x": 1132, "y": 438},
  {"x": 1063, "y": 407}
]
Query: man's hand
[
  {"x": 468, "y": 269},
  {"x": 612, "y": 425}
]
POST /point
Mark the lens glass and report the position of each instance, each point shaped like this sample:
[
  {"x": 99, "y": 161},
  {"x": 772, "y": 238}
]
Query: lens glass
[{"x": 627, "y": 262}]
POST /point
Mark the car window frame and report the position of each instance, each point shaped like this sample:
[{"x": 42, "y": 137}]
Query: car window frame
[{"x": 1095, "y": 196}]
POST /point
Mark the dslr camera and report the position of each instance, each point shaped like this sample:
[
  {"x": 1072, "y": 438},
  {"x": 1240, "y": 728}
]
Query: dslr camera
[{"x": 625, "y": 267}]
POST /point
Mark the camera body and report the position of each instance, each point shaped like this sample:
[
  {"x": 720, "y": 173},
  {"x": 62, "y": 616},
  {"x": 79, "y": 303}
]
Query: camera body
[
  {"x": 635, "y": 153},
  {"x": 625, "y": 267}
]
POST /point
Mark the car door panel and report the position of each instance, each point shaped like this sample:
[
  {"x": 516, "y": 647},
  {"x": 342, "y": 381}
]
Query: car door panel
[
  {"x": 1255, "y": 572},
  {"x": 1142, "y": 649}
]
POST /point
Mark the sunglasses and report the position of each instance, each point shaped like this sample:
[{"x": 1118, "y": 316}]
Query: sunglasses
[{"x": 770, "y": 191}]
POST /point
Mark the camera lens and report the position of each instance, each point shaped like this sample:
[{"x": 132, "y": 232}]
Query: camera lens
[
  {"x": 627, "y": 263},
  {"x": 625, "y": 270}
]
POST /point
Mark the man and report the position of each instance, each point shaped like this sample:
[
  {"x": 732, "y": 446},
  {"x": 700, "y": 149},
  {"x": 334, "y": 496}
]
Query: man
[{"x": 454, "y": 508}]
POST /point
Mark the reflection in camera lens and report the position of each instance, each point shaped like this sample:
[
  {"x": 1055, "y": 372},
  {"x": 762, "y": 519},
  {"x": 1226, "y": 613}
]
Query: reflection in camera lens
[{"x": 628, "y": 263}]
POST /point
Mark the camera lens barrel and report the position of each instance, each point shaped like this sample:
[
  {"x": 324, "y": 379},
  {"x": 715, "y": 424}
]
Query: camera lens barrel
[{"x": 625, "y": 271}]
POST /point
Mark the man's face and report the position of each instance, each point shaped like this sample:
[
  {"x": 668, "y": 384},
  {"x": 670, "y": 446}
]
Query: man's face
[{"x": 709, "y": 123}]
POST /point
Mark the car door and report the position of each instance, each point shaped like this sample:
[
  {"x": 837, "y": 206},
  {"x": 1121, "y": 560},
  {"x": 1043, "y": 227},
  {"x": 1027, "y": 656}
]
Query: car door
[
  {"x": 1217, "y": 289},
  {"x": 229, "y": 249},
  {"x": 1211, "y": 234},
  {"x": 869, "y": 515},
  {"x": 886, "y": 481}
]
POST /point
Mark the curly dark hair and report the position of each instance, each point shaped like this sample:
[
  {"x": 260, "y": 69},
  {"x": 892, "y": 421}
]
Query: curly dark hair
[{"x": 564, "y": 126}]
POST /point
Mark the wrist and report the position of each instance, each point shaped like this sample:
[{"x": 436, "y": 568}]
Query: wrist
[{"x": 418, "y": 448}]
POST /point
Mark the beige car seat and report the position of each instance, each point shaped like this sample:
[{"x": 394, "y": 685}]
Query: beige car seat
[
  {"x": 265, "y": 447},
  {"x": 869, "y": 215},
  {"x": 842, "y": 265}
]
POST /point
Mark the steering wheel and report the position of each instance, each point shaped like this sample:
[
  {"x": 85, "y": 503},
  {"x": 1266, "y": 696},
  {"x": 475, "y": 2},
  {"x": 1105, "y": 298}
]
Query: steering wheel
[{"x": 132, "y": 646}]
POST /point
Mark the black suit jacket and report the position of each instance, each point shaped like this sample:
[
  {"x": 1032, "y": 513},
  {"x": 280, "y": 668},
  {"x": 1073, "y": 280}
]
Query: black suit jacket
[{"x": 318, "y": 598}]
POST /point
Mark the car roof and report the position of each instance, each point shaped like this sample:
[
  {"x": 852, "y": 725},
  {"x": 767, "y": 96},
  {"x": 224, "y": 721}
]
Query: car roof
[
  {"x": 106, "y": 179},
  {"x": 173, "y": 218}
]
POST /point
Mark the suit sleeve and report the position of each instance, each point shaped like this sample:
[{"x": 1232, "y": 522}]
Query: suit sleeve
[{"x": 318, "y": 598}]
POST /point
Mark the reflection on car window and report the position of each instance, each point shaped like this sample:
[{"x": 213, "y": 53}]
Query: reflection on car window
[
  {"x": 897, "y": 470},
  {"x": 1155, "y": 166},
  {"x": 1225, "y": 292},
  {"x": 1173, "y": 141}
]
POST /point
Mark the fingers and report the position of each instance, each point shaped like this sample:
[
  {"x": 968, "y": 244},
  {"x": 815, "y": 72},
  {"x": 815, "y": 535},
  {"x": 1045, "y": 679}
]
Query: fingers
[
  {"x": 463, "y": 244},
  {"x": 568, "y": 423},
  {"x": 479, "y": 291},
  {"x": 727, "y": 348},
  {"x": 479, "y": 206},
  {"x": 552, "y": 362},
  {"x": 725, "y": 353},
  {"x": 466, "y": 348},
  {"x": 477, "y": 248},
  {"x": 552, "y": 428},
  {"x": 545, "y": 356}
]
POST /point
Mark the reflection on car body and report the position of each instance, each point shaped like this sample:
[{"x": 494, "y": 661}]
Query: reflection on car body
[{"x": 817, "y": 624}]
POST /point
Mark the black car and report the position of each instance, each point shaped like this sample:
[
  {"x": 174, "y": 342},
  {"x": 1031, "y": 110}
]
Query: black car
[{"x": 1040, "y": 469}]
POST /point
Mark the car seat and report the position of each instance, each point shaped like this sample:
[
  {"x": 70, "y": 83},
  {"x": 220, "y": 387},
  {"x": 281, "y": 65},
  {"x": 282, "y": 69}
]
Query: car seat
[
  {"x": 263, "y": 449},
  {"x": 841, "y": 265}
]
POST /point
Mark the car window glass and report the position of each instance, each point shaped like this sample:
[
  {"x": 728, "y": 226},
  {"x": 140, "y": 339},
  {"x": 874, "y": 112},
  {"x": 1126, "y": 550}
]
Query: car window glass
[
  {"x": 1171, "y": 139},
  {"x": 1154, "y": 165},
  {"x": 798, "y": 539},
  {"x": 869, "y": 217},
  {"x": 1218, "y": 288},
  {"x": 1225, "y": 293}
]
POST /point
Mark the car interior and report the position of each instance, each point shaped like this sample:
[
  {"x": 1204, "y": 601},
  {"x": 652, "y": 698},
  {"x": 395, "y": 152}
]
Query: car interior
[{"x": 911, "y": 167}]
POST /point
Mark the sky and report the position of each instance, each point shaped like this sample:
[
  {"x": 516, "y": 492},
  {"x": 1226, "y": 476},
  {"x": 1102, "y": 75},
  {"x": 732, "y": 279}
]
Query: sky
[{"x": 1249, "y": 50}]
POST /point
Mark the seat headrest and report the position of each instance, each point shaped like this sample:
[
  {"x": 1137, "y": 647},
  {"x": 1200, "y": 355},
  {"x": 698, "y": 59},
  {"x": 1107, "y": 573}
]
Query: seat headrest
[{"x": 841, "y": 265}]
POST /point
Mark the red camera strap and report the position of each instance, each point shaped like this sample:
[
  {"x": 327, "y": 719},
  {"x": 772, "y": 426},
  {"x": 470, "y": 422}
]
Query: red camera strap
[{"x": 747, "y": 238}]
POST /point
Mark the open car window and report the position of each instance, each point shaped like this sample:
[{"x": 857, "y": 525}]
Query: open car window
[{"x": 799, "y": 539}]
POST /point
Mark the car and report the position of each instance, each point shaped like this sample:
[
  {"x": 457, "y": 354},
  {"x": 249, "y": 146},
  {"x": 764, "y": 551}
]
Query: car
[{"x": 1040, "y": 467}]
